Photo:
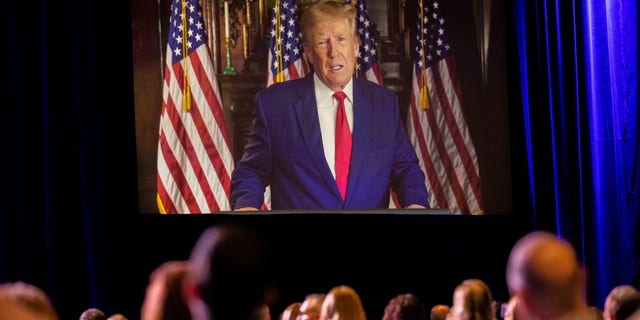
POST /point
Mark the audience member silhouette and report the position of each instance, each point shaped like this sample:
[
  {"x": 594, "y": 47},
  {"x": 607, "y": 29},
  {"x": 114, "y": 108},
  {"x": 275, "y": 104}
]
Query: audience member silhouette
[
  {"x": 262, "y": 312},
  {"x": 634, "y": 316},
  {"x": 342, "y": 302},
  {"x": 311, "y": 306},
  {"x": 93, "y": 314},
  {"x": 615, "y": 297},
  {"x": 405, "y": 306},
  {"x": 291, "y": 311},
  {"x": 227, "y": 278},
  {"x": 439, "y": 312},
  {"x": 514, "y": 310},
  {"x": 163, "y": 298},
  {"x": 24, "y": 301},
  {"x": 629, "y": 308},
  {"x": 544, "y": 272},
  {"x": 119, "y": 316},
  {"x": 595, "y": 313},
  {"x": 472, "y": 300}
]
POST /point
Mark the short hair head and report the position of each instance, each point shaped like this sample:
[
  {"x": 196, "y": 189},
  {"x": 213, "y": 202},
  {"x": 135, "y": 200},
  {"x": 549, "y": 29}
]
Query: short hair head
[
  {"x": 478, "y": 299},
  {"x": 319, "y": 10},
  {"x": 229, "y": 269},
  {"x": 439, "y": 312},
  {"x": 618, "y": 297},
  {"x": 93, "y": 314},
  {"x": 543, "y": 269},
  {"x": 291, "y": 311},
  {"x": 164, "y": 294},
  {"x": 20, "y": 300},
  {"x": 405, "y": 306}
]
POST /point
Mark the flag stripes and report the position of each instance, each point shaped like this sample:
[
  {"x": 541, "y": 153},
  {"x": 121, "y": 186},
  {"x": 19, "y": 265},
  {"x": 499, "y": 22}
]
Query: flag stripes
[
  {"x": 194, "y": 158},
  {"x": 442, "y": 144},
  {"x": 437, "y": 127}
]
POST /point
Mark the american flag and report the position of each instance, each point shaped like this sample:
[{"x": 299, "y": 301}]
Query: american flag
[
  {"x": 436, "y": 123},
  {"x": 286, "y": 61},
  {"x": 367, "y": 65},
  {"x": 194, "y": 158},
  {"x": 367, "y": 59}
]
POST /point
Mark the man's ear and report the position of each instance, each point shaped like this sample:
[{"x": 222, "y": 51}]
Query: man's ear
[{"x": 305, "y": 49}]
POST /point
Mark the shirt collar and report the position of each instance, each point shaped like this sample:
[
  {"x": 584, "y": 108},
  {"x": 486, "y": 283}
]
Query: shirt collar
[{"x": 324, "y": 93}]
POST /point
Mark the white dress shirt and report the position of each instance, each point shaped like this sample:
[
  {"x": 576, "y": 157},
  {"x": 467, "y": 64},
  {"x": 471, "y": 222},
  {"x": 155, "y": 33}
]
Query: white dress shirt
[{"x": 327, "y": 107}]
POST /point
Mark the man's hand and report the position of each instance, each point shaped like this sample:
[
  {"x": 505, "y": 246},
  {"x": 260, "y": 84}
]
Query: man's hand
[{"x": 246, "y": 209}]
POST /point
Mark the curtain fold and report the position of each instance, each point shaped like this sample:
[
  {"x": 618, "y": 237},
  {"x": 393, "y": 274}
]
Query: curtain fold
[{"x": 577, "y": 67}]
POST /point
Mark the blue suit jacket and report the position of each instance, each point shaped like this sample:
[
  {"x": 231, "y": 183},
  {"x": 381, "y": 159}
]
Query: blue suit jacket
[{"x": 285, "y": 151}]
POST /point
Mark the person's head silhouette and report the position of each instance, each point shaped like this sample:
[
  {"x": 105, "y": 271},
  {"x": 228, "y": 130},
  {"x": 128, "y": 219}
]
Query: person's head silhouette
[{"x": 228, "y": 275}]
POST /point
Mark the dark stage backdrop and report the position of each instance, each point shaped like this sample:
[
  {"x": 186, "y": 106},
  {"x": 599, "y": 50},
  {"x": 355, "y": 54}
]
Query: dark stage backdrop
[
  {"x": 69, "y": 216},
  {"x": 379, "y": 254}
]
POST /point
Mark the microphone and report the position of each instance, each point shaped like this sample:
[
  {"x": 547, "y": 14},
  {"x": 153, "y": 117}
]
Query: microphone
[{"x": 93, "y": 314}]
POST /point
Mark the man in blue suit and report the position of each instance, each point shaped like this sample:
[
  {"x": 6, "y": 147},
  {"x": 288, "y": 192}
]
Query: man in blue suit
[{"x": 292, "y": 144}]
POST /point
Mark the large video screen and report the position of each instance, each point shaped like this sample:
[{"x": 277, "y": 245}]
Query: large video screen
[{"x": 474, "y": 32}]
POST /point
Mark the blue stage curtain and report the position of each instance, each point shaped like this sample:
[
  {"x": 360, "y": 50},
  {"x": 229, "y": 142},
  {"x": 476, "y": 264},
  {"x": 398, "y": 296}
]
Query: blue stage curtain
[
  {"x": 66, "y": 122},
  {"x": 578, "y": 84}
]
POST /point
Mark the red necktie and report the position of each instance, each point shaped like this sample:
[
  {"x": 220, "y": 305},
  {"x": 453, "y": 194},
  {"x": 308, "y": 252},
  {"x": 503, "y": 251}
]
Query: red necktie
[{"x": 343, "y": 145}]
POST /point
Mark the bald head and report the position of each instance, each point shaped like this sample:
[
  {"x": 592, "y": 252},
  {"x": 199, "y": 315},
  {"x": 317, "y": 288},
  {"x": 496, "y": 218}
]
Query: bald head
[
  {"x": 439, "y": 312},
  {"x": 544, "y": 270}
]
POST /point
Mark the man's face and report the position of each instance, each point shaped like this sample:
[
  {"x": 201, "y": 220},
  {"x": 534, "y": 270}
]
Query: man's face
[{"x": 332, "y": 48}]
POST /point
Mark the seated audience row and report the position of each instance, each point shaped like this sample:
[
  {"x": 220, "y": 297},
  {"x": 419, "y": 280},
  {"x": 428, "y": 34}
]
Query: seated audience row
[{"x": 544, "y": 277}]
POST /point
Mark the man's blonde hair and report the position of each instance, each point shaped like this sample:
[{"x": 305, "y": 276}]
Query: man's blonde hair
[{"x": 318, "y": 10}]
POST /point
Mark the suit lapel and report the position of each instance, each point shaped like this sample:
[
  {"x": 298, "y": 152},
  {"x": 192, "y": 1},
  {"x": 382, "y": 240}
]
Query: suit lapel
[
  {"x": 307, "y": 115},
  {"x": 362, "y": 115}
]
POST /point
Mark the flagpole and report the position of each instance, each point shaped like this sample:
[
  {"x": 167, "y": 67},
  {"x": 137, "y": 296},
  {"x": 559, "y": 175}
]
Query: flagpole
[
  {"x": 227, "y": 41},
  {"x": 186, "y": 87},
  {"x": 353, "y": 3},
  {"x": 278, "y": 49},
  {"x": 424, "y": 89}
]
